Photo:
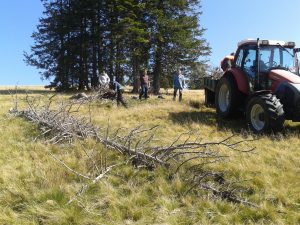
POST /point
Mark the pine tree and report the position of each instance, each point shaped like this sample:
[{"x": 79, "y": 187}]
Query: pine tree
[
  {"x": 76, "y": 39},
  {"x": 177, "y": 38}
]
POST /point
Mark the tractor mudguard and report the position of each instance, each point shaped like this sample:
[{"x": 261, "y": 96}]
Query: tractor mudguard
[
  {"x": 278, "y": 76},
  {"x": 241, "y": 80},
  {"x": 289, "y": 91},
  {"x": 289, "y": 95}
]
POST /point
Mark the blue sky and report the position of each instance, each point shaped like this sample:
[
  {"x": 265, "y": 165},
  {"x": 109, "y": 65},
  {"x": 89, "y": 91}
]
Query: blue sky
[
  {"x": 230, "y": 21},
  {"x": 227, "y": 23},
  {"x": 18, "y": 19}
]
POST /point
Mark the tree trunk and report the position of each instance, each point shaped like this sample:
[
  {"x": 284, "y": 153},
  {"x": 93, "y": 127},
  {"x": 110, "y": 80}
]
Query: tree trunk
[
  {"x": 135, "y": 74},
  {"x": 81, "y": 60},
  {"x": 94, "y": 79},
  {"x": 100, "y": 47},
  {"x": 157, "y": 67}
]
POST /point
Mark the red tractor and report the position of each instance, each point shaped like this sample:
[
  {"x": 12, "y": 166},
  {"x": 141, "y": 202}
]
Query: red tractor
[{"x": 263, "y": 82}]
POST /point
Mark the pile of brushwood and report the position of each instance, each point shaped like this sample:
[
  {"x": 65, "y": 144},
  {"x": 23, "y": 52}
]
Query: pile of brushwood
[
  {"x": 101, "y": 93},
  {"x": 59, "y": 123}
]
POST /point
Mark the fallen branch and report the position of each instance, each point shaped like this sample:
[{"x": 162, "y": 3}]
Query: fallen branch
[
  {"x": 95, "y": 180},
  {"x": 228, "y": 195},
  {"x": 59, "y": 125},
  {"x": 67, "y": 167}
]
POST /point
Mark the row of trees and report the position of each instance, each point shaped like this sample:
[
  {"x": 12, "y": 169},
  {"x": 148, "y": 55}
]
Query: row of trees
[{"x": 77, "y": 39}]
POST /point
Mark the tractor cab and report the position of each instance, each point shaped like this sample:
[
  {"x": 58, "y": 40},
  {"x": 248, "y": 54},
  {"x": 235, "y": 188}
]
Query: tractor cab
[{"x": 258, "y": 59}]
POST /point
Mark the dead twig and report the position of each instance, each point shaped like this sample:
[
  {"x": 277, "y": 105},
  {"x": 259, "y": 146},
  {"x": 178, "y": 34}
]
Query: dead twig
[
  {"x": 59, "y": 125},
  {"x": 95, "y": 180}
]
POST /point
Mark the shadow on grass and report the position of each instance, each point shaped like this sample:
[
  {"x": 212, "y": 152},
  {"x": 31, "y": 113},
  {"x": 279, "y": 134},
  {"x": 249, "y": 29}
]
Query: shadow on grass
[
  {"x": 237, "y": 124},
  {"x": 209, "y": 118},
  {"x": 25, "y": 91}
]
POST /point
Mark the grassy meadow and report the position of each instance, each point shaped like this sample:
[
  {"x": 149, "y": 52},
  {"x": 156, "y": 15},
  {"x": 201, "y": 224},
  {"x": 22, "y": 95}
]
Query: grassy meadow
[{"x": 35, "y": 189}]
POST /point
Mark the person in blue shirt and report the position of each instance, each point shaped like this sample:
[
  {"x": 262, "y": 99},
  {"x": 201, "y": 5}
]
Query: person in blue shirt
[
  {"x": 178, "y": 84},
  {"x": 118, "y": 89}
]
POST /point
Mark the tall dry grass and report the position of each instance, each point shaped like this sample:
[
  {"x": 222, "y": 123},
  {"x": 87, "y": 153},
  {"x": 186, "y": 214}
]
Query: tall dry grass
[{"x": 34, "y": 189}]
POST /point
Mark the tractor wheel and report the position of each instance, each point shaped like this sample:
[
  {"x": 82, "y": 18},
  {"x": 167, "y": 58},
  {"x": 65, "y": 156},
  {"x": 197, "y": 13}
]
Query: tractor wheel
[
  {"x": 227, "y": 98},
  {"x": 265, "y": 113},
  {"x": 209, "y": 98}
]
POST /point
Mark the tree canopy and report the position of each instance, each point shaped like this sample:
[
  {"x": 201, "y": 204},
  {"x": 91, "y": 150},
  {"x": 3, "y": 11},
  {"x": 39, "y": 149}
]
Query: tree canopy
[{"x": 77, "y": 39}]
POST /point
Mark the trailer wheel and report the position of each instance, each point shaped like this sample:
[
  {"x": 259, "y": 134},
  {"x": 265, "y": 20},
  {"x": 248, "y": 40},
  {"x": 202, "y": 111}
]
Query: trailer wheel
[
  {"x": 265, "y": 113},
  {"x": 227, "y": 97},
  {"x": 209, "y": 98}
]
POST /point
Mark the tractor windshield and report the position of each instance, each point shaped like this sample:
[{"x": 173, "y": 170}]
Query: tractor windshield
[{"x": 277, "y": 57}]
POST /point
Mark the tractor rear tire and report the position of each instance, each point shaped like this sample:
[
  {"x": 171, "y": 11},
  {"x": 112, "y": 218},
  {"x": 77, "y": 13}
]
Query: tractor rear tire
[
  {"x": 264, "y": 114},
  {"x": 228, "y": 97}
]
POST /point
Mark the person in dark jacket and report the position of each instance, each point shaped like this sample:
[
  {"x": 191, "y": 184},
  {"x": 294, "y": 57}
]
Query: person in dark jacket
[
  {"x": 144, "y": 84},
  {"x": 178, "y": 84},
  {"x": 118, "y": 89}
]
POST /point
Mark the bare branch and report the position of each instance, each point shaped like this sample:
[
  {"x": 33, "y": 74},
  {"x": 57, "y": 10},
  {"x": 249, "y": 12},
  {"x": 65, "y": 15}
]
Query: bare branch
[
  {"x": 68, "y": 168},
  {"x": 59, "y": 126},
  {"x": 95, "y": 180}
]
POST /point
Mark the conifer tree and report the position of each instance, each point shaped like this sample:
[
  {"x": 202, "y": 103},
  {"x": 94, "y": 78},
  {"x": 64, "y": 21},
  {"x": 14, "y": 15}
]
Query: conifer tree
[
  {"x": 77, "y": 39},
  {"x": 177, "y": 38}
]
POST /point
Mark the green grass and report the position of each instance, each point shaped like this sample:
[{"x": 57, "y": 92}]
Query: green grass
[{"x": 35, "y": 189}]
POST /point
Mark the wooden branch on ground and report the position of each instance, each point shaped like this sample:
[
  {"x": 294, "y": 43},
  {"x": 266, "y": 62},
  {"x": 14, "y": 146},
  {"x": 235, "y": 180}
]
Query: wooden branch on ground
[
  {"x": 59, "y": 125},
  {"x": 95, "y": 180}
]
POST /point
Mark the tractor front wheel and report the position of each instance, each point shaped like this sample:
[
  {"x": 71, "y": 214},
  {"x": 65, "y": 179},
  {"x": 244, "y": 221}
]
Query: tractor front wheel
[{"x": 265, "y": 113}]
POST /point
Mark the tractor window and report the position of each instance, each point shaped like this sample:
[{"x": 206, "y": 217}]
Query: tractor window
[
  {"x": 277, "y": 57},
  {"x": 266, "y": 58},
  {"x": 281, "y": 59},
  {"x": 249, "y": 65},
  {"x": 288, "y": 61},
  {"x": 240, "y": 58}
]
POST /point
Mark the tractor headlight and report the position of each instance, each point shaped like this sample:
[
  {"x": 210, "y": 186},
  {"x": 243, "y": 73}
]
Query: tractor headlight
[
  {"x": 264, "y": 42},
  {"x": 291, "y": 44}
]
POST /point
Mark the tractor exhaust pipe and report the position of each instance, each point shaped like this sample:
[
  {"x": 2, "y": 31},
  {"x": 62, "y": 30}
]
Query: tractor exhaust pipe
[{"x": 257, "y": 65}]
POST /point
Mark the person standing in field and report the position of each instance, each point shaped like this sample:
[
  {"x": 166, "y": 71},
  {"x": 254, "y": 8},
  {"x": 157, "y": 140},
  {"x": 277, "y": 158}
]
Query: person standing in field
[
  {"x": 144, "y": 79},
  {"x": 178, "y": 84},
  {"x": 118, "y": 89},
  {"x": 104, "y": 80}
]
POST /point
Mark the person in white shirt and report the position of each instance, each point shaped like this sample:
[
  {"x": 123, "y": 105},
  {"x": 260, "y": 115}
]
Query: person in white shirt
[{"x": 104, "y": 80}]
